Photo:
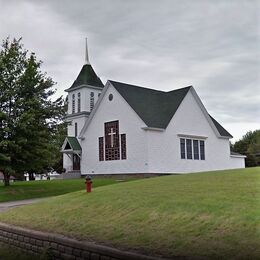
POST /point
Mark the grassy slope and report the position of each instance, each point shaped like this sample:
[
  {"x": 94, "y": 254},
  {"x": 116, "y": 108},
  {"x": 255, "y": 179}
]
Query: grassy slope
[
  {"x": 39, "y": 189},
  {"x": 204, "y": 214}
]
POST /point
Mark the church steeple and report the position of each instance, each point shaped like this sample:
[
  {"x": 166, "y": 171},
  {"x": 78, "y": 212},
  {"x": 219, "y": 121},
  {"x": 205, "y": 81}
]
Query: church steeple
[
  {"x": 87, "y": 76},
  {"x": 86, "y": 53}
]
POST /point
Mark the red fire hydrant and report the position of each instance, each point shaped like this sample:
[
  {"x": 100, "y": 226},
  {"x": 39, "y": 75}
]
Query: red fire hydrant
[{"x": 88, "y": 183}]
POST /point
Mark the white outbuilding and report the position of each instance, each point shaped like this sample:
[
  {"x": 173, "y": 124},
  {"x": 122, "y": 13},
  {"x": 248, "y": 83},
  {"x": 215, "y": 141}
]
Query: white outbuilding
[{"x": 124, "y": 129}]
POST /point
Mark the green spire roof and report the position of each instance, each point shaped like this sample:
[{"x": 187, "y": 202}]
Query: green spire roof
[{"x": 87, "y": 76}]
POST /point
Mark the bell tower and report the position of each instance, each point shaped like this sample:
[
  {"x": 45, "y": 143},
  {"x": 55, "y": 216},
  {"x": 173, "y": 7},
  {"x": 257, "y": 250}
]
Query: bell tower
[{"x": 82, "y": 96}]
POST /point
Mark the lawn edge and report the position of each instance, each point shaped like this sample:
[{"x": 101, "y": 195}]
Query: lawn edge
[{"x": 39, "y": 241}]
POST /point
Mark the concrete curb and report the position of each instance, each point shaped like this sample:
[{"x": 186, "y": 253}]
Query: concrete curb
[{"x": 61, "y": 247}]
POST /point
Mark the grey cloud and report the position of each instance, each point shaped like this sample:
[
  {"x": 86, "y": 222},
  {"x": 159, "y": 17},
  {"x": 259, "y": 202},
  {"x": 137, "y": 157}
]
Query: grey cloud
[{"x": 168, "y": 44}]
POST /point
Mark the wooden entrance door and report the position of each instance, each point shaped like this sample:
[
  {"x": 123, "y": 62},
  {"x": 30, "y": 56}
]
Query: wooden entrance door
[{"x": 76, "y": 162}]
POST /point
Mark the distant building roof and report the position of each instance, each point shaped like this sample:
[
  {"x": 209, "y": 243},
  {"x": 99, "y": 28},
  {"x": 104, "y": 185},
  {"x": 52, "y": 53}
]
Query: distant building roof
[
  {"x": 87, "y": 76},
  {"x": 234, "y": 153},
  {"x": 156, "y": 108}
]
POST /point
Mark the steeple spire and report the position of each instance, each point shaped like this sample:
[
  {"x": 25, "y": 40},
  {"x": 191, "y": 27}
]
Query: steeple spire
[{"x": 86, "y": 54}]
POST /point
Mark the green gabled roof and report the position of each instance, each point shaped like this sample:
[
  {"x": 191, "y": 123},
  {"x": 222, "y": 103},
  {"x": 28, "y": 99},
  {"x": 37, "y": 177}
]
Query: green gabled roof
[
  {"x": 156, "y": 108},
  {"x": 74, "y": 143},
  {"x": 87, "y": 76}
]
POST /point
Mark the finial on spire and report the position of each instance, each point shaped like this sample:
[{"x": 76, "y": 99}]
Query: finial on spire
[{"x": 86, "y": 54}]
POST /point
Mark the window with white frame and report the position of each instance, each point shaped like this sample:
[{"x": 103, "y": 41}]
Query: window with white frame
[
  {"x": 196, "y": 150},
  {"x": 79, "y": 103},
  {"x": 92, "y": 100},
  {"x": 192, "y": 149},
  {"x": 202, "y": 150},
  {"x": 76, "y": 129},
  {"x": 73, "y": 103},
  {"x": 189, "y": 148},
  {"x": 182, "y": 143}
]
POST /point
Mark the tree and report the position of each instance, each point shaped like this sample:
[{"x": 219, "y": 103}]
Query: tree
[
  {"x": 249, "y": 145},
  {"x": 28, "y": 116}
]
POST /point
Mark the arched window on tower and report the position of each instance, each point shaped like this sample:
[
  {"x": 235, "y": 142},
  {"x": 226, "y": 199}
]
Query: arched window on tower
[
  {"x": 79, "y": 108},
  {"x": 92, "y": 101},
  {"x": 76, "y": 129},
  {"x": 73, "y": 103}
]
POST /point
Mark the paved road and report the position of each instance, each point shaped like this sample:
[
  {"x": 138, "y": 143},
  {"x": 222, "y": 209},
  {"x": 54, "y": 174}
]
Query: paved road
[{"x": 12, "y": 204}]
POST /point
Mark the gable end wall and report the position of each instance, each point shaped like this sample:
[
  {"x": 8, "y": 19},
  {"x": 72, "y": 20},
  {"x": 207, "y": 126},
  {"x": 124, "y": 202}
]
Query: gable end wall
[
  {"x": 164, "y": 147},
  {"x": 129, "y": 124}
]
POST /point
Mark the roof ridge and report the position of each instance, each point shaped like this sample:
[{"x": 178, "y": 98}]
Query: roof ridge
[
  {"x": 188, "y": 87},
  {"x": 136, "y": 86},
  {"x": 146, "y": 88}
]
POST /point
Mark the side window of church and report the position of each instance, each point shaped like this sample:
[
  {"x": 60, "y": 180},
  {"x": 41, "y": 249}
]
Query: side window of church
[
  {"x": 79, "y": 104},
  {"x": 202, "y": 150},
  {"x": 92, "y": 100},
  {"x": 101, "y": 148},
  {"x": 182, "y": 143},
  {"x": 195, "y": 149},
  {"x": 123, "y": 146},
  {"x": 73, "y": 103},
  {"x": 189, "y": 148}
]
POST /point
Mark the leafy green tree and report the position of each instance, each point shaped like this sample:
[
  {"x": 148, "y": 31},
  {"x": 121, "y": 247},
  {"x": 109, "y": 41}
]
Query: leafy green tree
[
  {"x": 28, "y": 116},
  {"x": 249, "y": 145}
]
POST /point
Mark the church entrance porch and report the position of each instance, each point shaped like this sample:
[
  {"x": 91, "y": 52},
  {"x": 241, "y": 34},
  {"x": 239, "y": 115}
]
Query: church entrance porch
[{"x": 72, "y": 155}]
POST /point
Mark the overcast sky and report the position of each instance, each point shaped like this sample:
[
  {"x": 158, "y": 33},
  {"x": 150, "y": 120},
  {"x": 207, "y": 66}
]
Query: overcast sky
[{"x": 212, "y": 45}]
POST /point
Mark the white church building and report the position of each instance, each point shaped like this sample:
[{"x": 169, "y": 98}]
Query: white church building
[{"x": 125, "y": 129}]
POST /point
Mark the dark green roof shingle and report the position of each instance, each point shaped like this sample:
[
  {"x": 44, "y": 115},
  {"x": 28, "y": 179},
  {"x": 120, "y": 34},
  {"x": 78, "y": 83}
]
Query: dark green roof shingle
[
  {"x": 222, "y": 131},
  {"x": 74, "y": 143},
  {"x": 156, "y": 108},
  {"x": 87, "y": 76}
]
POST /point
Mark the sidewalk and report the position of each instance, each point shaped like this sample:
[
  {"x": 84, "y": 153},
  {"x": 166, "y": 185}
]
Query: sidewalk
[{"x": 12, "y": 204}]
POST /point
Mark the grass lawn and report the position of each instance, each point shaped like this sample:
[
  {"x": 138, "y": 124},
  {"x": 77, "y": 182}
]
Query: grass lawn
[
  {"x": 38, "y": 189},
  {"x": 211, "y": 215}
]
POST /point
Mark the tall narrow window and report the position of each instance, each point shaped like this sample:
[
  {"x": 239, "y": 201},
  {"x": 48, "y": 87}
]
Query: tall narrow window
[
  {"x": 196, "y": 149},
  {"x": 189, "y": 148},
  {"x": 112, "y": 145},
  {"x": 202, "y": 150},
  {"x": 123, "y": 146},
  {"x": 73, "y": 103},
  {"x": 79, "y": 104},
  {"x": 101, "y": 148},
  {"x": 91, "y": 101},
  {"x": 76, "y": 129},
  {"x": 182, "y": 144}
]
